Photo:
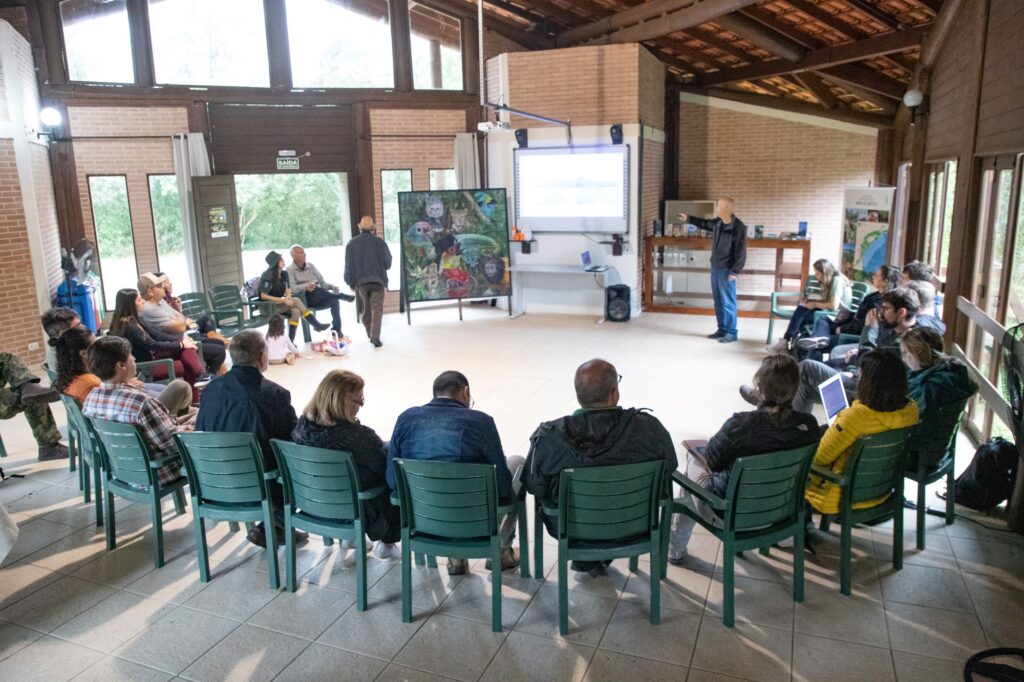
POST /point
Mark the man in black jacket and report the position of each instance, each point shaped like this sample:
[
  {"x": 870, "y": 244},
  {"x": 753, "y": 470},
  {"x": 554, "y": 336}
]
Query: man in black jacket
[
  {"x": 600, "y": 433},
  {"x": 367, "y": 261},
  {"x": 728, "y": 256},
  {"x": 242, "y": 400}
]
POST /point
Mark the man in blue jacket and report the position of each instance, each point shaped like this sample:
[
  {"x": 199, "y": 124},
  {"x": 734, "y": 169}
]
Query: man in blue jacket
[
  {"x": 728, "y": 256},
  {"x": 243, "y": 400},
  {"x": 448, "y": 429}
]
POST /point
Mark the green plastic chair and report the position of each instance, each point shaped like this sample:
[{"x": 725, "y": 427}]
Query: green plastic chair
[
  {"x": 132, "y": 473},
  {"x": 875, "y": 468},
  {"x": 784, "y": 311},
  {"x": 763, "y": 505},
  {"x": 146, "y": 371},
  {"x": 452, "y": 509},
  {"x": 323, "y": 495},
  {"x": 228, "y": 483},
  {"x": 194, "y": 304},
  {"x": 3, "y": 448},
  {"x": 857, "y": 292},
  {"x": 609, "y": 512},
  {"x": 229, "y": 310},
  {"x": 931, "y": 456},
  {"x": 81, "y": 444}
]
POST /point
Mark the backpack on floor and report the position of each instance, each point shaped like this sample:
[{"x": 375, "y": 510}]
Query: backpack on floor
[{"x": 988, "y": 479}]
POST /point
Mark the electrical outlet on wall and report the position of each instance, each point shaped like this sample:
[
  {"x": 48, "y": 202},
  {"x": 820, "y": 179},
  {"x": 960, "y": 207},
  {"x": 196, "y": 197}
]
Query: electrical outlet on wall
[{"x": 34, "y": 345}]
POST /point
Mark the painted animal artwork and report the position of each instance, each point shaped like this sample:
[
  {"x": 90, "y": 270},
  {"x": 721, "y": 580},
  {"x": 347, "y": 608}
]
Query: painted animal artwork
[
  {"x": 459, "y": 216},
  {"x": 435, "y": 213}
]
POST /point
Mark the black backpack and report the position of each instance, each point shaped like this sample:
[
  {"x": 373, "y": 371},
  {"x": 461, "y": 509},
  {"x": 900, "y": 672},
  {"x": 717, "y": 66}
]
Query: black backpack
[{"x": 988, "y": 479}]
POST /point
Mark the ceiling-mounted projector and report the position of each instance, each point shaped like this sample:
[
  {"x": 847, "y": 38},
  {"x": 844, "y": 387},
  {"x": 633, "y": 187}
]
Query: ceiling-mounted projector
[{"x": 488, "y": 126}]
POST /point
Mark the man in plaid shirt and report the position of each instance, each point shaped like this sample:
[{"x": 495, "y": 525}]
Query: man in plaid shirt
[{"x": 110, "y": 358}]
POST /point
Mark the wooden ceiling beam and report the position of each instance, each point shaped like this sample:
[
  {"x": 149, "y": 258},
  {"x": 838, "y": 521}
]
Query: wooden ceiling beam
[
  {"x": 796, "y": 106},
  {"x": 878, "y": 15},
  {"x": 934, "y": 5},
  {"x": 719, "y": 44},
  {"x": 501, "y": 26},
  {"x": 627, "y": 17},
  {"x": 865, "y": 78},
  {"x": 823, "y": 58},
  {"x": 759, "y": 34},
  {"x": 690, "y": 54},
  {"x": 680, "y": 20},
  {"x": 791, "y": 33},
  {"x": 812, "y": 82},
  {"x": 826, "y": 19}
]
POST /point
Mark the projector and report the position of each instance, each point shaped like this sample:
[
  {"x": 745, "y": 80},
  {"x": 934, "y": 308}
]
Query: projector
[{"x": 488, "y": 126}]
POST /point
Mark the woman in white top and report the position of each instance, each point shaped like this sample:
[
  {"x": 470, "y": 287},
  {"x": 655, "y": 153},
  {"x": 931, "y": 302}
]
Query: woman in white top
[
  {"x": 280, "y": 349},
  {"x": 833, "y": 293}
]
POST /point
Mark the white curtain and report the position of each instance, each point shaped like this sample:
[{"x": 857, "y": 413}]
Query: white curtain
[
  {"x": 190, "y": 160},
  {"x": 467, "y": 161}
]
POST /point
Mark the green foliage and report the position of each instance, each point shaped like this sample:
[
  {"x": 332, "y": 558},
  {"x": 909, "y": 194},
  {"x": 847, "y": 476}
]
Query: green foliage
[
  {"x": 170, "y": 232},
  {"x": 278, "y": 210},
  {"x": 109, "y": 196}
]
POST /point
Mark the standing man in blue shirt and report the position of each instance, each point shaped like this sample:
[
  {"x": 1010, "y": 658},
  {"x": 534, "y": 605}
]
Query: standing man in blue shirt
[
  {"x": 448, "y": 429},
  {"x": 728, "y": 256}
]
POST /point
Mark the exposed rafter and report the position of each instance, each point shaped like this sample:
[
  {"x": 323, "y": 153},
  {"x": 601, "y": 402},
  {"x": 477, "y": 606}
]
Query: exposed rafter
[
  {"x": 876, "y": 14},
  {"x": 812, "y": 83},
  {"x": 680, "y": 20},
  {"x": 823, "y": 58},
  {"x": 723, "y": 46},
  {"x": 758, "y": 34},
  {"x": 613, "y": 22},
  {"x": 865, "y": 78},
  {"x": 796, "y": 106}
]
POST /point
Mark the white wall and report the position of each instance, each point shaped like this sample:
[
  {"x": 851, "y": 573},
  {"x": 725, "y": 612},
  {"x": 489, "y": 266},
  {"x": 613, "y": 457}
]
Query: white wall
[{"x": 560, "y": 294}]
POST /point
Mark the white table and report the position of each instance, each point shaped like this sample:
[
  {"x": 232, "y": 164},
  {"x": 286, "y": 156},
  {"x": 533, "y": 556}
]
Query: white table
[{"x": 602, "y": 279}]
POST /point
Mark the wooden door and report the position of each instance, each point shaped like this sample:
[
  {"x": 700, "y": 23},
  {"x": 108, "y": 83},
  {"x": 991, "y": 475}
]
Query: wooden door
[{"x": 220, "y": 243}]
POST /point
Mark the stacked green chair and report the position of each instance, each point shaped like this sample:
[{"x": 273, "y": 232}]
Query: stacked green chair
[
  {"x": 229, "y": 310},
  {"x": 874, "y": 470},
  {"x": 228, "y": 482},
  {"x": 763, "y": 505},
  {"x": 82, "y": 445},
  {"x": 323, "y": 495},
  {"x": 931, "y": 456},
  {"x": 783, "y": 310},
  {"x": 194, "y": 304},
  {"x": 609, "y": 512},
  {"x": 132, "y": 473},
  {"x": 452, "y": 509}
]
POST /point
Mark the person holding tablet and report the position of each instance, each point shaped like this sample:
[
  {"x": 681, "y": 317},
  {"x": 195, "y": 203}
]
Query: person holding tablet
[{"x": 728, "y": 256}]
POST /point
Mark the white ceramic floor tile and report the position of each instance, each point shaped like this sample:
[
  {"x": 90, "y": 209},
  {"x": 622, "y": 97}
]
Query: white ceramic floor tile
[
  {"x": 248, "y": 653},
  {"x": 522, "y": 655},
  {"x": 113, "y": 621},
  {"x": 431, "y": 649},
  {"x": 48, "y": 659},
  {"x": 818, "y": 658}
]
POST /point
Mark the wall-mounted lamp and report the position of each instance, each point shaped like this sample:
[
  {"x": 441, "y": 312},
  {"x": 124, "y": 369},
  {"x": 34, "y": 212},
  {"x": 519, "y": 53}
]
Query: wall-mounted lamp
[
  {"x": 51, "y": 119},
  {"x": 913, "y": 100}
]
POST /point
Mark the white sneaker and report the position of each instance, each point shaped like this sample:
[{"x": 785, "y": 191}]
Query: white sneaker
[{"x": 386, "y": 551}]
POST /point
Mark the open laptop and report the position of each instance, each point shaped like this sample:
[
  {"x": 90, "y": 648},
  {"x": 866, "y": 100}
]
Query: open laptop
[
  {"x": 833, "y": 397},
  {"x": 588, "y": 265}
]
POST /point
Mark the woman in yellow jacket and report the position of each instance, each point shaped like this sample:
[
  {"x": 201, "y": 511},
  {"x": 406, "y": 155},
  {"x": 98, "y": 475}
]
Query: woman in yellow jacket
[{"x": 882, "y": 404}]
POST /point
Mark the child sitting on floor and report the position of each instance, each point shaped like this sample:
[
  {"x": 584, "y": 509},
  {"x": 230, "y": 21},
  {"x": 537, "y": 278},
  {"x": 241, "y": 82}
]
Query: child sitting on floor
[{"x": 280, "y": 349}]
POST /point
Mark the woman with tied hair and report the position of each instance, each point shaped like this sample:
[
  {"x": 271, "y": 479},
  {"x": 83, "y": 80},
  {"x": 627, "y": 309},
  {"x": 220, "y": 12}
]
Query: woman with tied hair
[
  {"x": 772, "y": 427},
  {"x": 934, "y": 379},
  {"x": 330, "y": 420},
  {"x": 881, "y": 405},
  {"x": 834, "y": 293}
]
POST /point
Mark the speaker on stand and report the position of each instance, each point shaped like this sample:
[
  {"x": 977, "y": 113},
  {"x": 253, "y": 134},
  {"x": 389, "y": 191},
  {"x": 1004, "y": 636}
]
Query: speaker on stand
[{"x": 616, "y": 303}]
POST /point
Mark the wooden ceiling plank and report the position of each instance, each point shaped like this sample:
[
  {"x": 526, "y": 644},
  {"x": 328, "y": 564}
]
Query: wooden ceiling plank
[
  {"x": 866, "y": 79},
  {"x": 796, "y": 106},
  {"x": 791, "y": 33},
  {"x": 817, "y": 87},
  {"x": 680, "y": 20},
  {"x": 499, "y": 25},
  {"x": 827, "y": 19},
  {"x": 627, "y": 17},
  {"x": 824, "y": 58},
  {"x": 759, "y": 34},
  {"x": 720, "y": 44},
  {"x": 878, "y": 15}
]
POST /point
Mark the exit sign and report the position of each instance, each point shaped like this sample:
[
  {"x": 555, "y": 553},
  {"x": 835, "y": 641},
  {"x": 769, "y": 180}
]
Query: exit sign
[{"x": 287, "y": 163}]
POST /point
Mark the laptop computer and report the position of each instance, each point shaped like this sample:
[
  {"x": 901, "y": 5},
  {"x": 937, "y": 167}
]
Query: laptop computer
[
  {"x": 833, "y": 397},
  {"x": 588, "y": 265}
]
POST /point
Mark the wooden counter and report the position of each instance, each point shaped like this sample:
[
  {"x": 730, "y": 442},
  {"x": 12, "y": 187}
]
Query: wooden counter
[{"x": 654, "y": 261}]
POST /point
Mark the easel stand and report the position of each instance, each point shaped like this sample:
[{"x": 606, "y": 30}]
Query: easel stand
[{"x": 408, "y": 304}]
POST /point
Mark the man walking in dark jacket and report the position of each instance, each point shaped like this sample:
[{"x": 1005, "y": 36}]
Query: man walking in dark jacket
[
  {"x": 600, "y": 433},
  {"x": 367, "y": 260},
  {"x": 242, "y": 400},
  {"x": 728, "y": 256}
]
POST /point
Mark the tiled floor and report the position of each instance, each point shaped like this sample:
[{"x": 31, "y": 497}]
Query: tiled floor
[{"x": 70, "y": 609}]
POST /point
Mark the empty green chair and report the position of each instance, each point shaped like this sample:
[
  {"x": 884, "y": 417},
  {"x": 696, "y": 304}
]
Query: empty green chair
[
  {"x": 763, "y": 505},
  {"x": 323, "y": 496},
  {"x": 931, "y": 456},
  {"x": 228, "y": 482},
  {"x": 784, "y": 311},
  {"x": 229, "y": 310},
  {"x": 452, "y": 509},
  {"x": 874, "y": 470},
  {"x": 131, "y": 473},
  {"x": 610, "y": 512},
  {"x": 194, "y": 304},
  {"x": 82, "y": 444}
]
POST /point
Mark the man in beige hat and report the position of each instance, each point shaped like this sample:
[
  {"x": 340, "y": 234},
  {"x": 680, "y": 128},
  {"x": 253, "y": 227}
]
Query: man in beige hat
[{"x": 367, "y": 260}]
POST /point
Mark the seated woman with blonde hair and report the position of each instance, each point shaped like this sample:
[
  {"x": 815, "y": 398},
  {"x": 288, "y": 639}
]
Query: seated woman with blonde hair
[{"x": 330, "y": 421}]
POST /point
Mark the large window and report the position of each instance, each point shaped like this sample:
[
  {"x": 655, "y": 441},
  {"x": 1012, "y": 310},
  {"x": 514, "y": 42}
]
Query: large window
[
  {"x": 199, "y": 42},
  {"x": 170, "y": 231},
  {"x": 340, "y": 43},
  {"x": 392, "y": 182},
  {"x": 443, "y": 178},
  {"x": 436, "y": 49},
  {"x": 97, "y": 40},
  {"x": 115, "y": 246},
  {"x": 939, "y": 215},
  {"x": 276, "y": 210}
]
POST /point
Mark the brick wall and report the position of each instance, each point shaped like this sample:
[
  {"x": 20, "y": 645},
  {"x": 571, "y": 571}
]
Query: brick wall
[
  {"x": 651, "y": 90},
  {"x": 495, "y": 44},
  {"x": 18, "y": 315},
  {"x": 779, "y": 172},
  {"x": 131, "y": 151}
]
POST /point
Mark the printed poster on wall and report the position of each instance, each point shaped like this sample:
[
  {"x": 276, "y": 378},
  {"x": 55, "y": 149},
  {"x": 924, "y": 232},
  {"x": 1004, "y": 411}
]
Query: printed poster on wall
[{"x": 866, "y": 214}]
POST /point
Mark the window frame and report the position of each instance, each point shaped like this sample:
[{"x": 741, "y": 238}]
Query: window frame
[
  {"x": 133, "y": 31},
  {"x": 401, "y": 253},
  {"x": 95, "y": 230}
]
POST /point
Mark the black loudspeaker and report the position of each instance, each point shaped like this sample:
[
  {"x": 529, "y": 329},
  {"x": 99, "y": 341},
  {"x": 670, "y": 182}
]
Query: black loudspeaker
[
  {"x": 616, "y": 303},
  {"x": 617, "y": 133},
  {"x": 522, "y": 138}
]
